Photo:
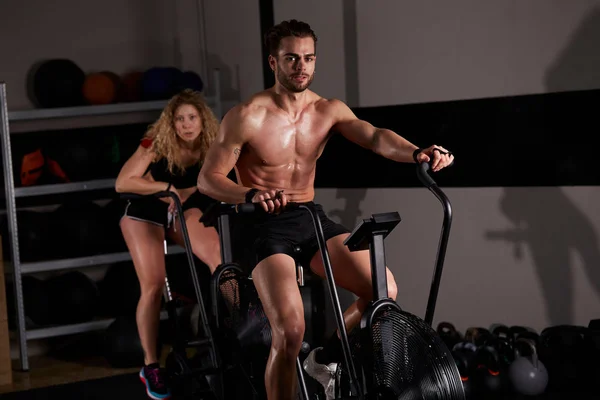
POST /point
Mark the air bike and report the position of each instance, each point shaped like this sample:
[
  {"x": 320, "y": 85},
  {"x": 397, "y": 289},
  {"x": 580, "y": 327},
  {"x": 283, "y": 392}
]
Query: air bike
[
  {"x": 391, "y": 354},
  {"x": 394, "y": 354}
]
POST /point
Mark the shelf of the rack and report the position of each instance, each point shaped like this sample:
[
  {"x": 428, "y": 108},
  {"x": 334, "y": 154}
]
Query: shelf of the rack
[
  {"x": 40, "y": 190},
  {"x": 91, "y": 110},
  {"x": 61, "y": 330},
  {"x": 55, "y": 265},
  {"x": 82, "y": 111}
]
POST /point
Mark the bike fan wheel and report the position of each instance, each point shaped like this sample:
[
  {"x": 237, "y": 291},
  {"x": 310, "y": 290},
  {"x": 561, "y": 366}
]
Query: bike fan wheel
[{"x": 404, "y": 358}]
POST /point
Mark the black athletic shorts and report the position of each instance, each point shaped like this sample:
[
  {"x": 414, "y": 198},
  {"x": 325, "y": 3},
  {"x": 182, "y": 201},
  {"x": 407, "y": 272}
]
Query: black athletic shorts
[
  {"x": 262, "y": 235},
  {"x": 155, "y": 211}
]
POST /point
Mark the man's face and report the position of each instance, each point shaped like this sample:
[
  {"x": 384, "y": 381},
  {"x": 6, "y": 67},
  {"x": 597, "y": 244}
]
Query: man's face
[{"x": 295, "y": 63}]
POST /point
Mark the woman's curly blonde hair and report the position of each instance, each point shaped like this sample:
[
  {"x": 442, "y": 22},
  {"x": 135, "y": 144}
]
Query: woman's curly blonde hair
[{"x": 164, "y": 136}]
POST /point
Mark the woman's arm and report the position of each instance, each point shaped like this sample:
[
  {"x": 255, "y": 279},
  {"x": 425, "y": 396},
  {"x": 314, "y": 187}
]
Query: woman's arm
[{"x": 130, "y": 178}]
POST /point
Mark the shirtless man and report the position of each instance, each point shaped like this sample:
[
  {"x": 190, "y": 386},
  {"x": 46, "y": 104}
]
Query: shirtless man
[{"x": 274, "y": 140}]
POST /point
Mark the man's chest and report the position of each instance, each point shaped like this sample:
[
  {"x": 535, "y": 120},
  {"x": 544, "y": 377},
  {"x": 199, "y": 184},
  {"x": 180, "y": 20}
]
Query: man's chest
[{"x": 301, "y": 136}]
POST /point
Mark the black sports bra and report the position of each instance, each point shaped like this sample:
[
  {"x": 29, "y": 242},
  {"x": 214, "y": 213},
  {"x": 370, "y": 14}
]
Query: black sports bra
[{"x": 160, "y": 172}]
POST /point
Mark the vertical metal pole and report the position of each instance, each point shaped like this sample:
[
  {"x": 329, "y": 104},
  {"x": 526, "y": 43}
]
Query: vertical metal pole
[
  {"x": 441, "y": 254},
  {"x": 335, "y": 300},
  {"x": 377, "y": 251},
  {"x": 167, "y": 288},
  {"x": 218, "y": 97},
  {"x": 225, "y": 237},
  {"x": 202, "y": 46},
  {"x": 301, "y": 381},
  {"x": 11, "y": 214}
]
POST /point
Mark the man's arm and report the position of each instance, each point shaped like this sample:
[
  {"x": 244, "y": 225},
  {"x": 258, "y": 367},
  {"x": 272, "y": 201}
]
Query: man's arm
[
  {"x": 384, "y": 142},
  {"x": 221, "y": 158}
]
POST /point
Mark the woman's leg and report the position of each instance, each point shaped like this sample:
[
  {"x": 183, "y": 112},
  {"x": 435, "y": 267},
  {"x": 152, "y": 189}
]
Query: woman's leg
[
  {"x": 145, "y": 243},
  {"x": 204, "y": 240}
]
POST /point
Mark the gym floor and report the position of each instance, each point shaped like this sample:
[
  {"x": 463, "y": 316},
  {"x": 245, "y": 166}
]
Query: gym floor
[{"x": 46, "y": 371}]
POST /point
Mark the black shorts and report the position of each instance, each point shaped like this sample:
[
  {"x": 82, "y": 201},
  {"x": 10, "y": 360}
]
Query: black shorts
[
  {"x": 155, "y": 211},
  {"x": 260, "y": 236}
]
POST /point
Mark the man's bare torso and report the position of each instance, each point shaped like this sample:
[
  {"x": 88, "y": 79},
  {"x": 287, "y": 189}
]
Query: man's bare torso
[{"x": 282, "y": 149}]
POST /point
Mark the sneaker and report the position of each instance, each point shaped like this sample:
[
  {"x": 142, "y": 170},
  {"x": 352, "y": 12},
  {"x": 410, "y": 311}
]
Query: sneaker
[
  {"x": 324, "y": 374},
  {"x": 155, "y": 384}
]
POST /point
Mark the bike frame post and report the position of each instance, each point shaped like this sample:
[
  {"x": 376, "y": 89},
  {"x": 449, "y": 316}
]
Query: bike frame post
[{"x": 333, "y": 295}]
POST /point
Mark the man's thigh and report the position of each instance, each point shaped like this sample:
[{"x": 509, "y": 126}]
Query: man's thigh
[
  {"x": 275, "y": 280},
  {"x": 351, "y": 269}
]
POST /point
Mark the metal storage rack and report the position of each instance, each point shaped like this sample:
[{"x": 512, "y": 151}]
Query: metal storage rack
[{"x": 17, "y": 268}]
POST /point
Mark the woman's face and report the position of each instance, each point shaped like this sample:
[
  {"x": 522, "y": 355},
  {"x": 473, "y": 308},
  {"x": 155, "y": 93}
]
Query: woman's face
[{"x": 187, "y": 122}]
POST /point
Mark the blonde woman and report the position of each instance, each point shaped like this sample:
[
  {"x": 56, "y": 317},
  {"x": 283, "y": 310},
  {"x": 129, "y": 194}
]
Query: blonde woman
[{"x": 169, "y": 157}]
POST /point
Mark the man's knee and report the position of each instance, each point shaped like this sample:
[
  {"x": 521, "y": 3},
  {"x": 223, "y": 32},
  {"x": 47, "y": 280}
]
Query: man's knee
[{"x": 288, "y": 332}]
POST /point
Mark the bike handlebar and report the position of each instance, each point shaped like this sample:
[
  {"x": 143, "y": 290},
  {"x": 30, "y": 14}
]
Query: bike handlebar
[
  {"x": 163, "y": 193},
  {"x": 250, "y": 208},
  {"x": 422, "y": 172}
]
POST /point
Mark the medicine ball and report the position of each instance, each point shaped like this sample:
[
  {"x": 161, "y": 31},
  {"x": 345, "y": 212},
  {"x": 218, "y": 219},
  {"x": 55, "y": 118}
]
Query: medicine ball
[
  {"x": 174, "y": 76},
  {"x": 191, "y": 80},
  {"x": 131, "y": 86},
  {"x": 101, "y": 88},
  {"x": 56, "y": 83},
  {"x": 160, "y": 83}
]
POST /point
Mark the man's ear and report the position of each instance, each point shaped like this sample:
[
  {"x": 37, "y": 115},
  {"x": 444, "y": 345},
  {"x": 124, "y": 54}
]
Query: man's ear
[{"x": 272, "y": 62}]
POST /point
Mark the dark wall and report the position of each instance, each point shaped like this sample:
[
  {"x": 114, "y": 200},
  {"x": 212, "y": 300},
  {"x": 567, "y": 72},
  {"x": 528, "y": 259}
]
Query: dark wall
[{"x": 530, "y": 140}]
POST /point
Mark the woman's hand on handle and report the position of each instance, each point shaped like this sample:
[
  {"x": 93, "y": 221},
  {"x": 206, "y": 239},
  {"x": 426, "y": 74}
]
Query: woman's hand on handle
[
  {"x": 172, "y": 207},
  {"x": 437, "y": 156}
]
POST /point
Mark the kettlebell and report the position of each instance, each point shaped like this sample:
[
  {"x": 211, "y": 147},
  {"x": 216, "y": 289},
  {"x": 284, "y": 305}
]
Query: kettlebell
[
  {"x": 527, "y": 373},
  {"x": 490, "y": 373},
  {"x": 477, "y": 335},
  {"x": 464, "y": 357},
  {"x": 528, "y": 334},
  {"x": 448, "y": 334},
  {"x": 563, "y": 351},
  {"x": 504, "y": 340}
]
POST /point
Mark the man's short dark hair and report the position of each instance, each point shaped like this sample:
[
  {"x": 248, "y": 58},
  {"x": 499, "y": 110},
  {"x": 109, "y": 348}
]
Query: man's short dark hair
[{"x": 284, "y": 29}]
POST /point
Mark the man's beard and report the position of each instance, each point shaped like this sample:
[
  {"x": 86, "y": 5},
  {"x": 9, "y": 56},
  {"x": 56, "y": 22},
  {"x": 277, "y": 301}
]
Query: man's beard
[{"x": 291, "y": 85}]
